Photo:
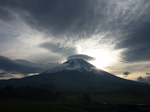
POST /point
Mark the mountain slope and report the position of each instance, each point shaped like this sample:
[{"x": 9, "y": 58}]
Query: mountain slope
[
  {"x": 80, "y": 68},
  {"x": 75, "y": 74}
]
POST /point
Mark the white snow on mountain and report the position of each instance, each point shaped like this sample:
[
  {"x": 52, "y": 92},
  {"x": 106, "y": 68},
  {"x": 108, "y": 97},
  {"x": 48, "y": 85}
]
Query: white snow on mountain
[{"x": 73, "y": 64}]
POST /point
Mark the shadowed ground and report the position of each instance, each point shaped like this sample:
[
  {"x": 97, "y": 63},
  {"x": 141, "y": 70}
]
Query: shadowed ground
[{"x": 72, "y": 103}]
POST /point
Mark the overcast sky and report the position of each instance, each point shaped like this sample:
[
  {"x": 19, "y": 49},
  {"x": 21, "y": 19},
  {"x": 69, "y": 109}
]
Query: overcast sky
[{"x": 116, "y": 33}]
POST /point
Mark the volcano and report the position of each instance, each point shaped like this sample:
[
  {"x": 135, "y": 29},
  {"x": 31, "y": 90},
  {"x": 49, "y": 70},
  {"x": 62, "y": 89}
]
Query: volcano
[
  {"x": 74, "y": 74},
  {"x": 80, "y": 71},
  {"x": 73, "y": 64}
]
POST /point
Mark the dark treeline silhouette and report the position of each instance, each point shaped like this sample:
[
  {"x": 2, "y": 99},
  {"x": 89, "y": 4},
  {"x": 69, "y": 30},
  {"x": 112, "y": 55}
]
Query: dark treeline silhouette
[
  {"x": 28, "y": 92},
  {"x": 87, "y": 98}
]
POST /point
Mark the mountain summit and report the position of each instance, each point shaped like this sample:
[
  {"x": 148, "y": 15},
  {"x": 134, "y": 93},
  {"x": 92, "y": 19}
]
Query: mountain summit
[{"x": 72, "y": 64}]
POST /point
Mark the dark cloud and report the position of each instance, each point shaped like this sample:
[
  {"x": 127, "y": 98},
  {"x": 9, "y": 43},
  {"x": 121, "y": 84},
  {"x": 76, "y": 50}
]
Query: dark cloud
[
  {"x": 59, "y": 17},
  {"x": 46, "y": 65},
  {"x": 147, "y": 73},
  {"x": 135, "y": 35},
  {"x": 137, "y": 43},
  {"x": 28, "y": 63},
  {"x": 50, "y": 65},
  {"x": 12, "y": 66},
  {"x": 125, "y": 22},
  {"x": 81, "y": 56},
  {"x": 2, "y": 74},
  {"x": 20, "y": 68},
  {"x": 147, "y": 66},
  {"x": 145, "y": 79},
  {"x": 126, "y": 73},
  {"x": 6, "y": 75},
  {"x": 141, "y": 79},
  {"x": 57, "y": 48}
]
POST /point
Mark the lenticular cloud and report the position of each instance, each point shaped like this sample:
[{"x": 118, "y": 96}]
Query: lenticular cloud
[{"x": 81, "y": 56}]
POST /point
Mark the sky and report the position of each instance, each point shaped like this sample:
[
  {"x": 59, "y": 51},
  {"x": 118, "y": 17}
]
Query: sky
[{"x": 36, "y": 35}]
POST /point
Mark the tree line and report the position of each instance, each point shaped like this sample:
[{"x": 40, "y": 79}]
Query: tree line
[{"x": 28, "y": 92}]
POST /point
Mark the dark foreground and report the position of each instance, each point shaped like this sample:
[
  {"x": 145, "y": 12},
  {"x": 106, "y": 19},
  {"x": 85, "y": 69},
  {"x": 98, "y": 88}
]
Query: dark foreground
[
  {"x": 31, "y": 106},
  {"x": 75, "y": 103}
]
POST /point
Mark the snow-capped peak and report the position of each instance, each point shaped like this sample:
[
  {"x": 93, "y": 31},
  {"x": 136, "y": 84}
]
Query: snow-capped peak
[{"x": 73, "y": 64}]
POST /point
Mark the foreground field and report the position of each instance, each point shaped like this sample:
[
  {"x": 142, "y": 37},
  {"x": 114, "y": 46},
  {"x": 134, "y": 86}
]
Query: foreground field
[
  {"x": 40, "y": 106},
  {"x": 72, "y": 103}
]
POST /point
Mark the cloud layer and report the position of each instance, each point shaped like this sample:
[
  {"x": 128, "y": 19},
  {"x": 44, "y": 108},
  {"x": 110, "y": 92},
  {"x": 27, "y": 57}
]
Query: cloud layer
[
  {"x": 125, "y": 23},
  {"x": 7, "y": 64},
  {"x": 81, "y": 56},
  {"x": 57, "y": 48},
  {"x": 10, "y": 68},
  {"x": 51, "y": 30},
  {"x": 144, "y": 79}
]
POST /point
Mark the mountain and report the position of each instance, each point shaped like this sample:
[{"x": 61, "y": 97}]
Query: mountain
[
  {"x": 73, "y": 64},
  {"x": 75, "y": 75},
  {"x": 77, "y": 69}
]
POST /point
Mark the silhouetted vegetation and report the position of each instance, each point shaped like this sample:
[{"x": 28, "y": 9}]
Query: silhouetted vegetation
[
  {"x": 28, "y": 92},
  {"x": 87, "y": 98}
]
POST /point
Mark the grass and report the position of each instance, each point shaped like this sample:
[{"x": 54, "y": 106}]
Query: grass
[
  {"x": 112, "y": 99},
  {"x": 121, "y": 99},
  {"x": 71, "y": 103},
  {"x": 35, "y": 106}
]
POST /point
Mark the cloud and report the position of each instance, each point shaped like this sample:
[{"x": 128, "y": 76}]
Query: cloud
[
  {"x": 45, "y": 66},
  {"x": 126, "y": 73},
  {"x": 144, "y": 79},
  {"x": 2, "y": 74},
  {"x": 17, "y": 67},
  {"x": 141, "y": 79},
  {"x": 6, "y": 75},
  {"x": 135, "y": 33},
  {"x": 147, "y": 73},
  {"x": 81, "y": 56},
  {"x": 50, "y": 65},
  {"x": 58, "y": 17},
  {"x": 58, "y": 49},
  {"x": 125, "y": 24}
]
